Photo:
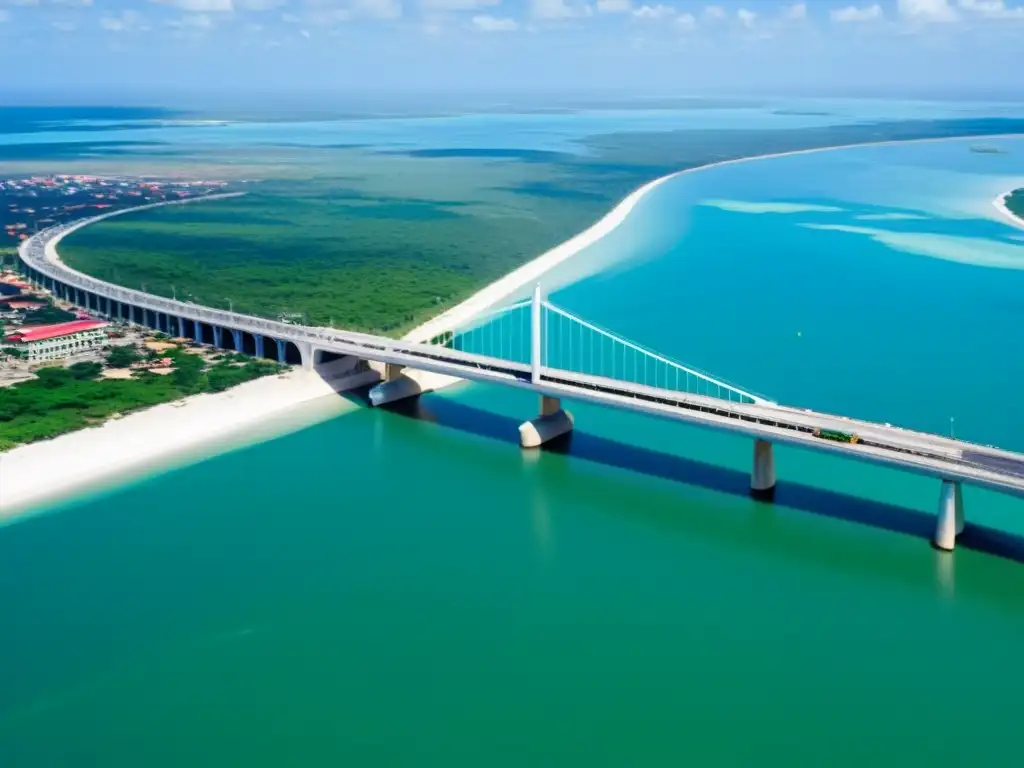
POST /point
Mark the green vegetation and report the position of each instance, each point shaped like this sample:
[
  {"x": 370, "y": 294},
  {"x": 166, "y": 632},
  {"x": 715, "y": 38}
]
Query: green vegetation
[
  {"x": 47, "y": 315},
  {"x": 123, "y": 356},
  {"x": 321, "y": 254},
  {"x": 66, "y": 399},
  {"x": 1015, "y": 203},
  {"x": 381, "y": 241}
]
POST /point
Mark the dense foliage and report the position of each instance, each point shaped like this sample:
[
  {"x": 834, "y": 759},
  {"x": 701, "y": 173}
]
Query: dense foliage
[
  {"x": 1015, "y": 203},
  {"x": 380, "y": 241},
  {"x": 66, "y": 399},
  {"x": 47, "y": 315}
]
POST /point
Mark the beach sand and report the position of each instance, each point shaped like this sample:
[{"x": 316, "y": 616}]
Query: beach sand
[
  {"x": 1007, "y": 215},
  {"x": 171, "y": 434},
  {"x": 202, "y": 426}
]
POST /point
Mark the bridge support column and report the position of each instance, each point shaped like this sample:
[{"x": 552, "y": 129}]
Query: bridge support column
[
  {"x": 553, "y": 422},
  {"x": 307, "y": 355},
  {"x": 950, "y": 521},
  {"x": 762, "y": 476},
  {"x": 237, "y": 337},
  {"x": 282, "y": 351},
  {"x": 395, "y": 386},
  {"x": 259, "y": 344},
  {"x": 218, "y": 332}
]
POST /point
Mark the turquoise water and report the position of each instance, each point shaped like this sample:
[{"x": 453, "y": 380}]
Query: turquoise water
[
  {"x": 541, "y": 131},
  {"x": 412, "y": 589}
]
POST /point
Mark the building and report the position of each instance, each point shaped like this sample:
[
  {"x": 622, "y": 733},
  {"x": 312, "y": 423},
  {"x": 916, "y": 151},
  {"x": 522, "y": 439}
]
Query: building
[{"x": 53, "y": 342}]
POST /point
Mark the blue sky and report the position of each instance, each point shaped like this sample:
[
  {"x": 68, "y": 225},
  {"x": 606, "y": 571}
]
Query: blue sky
[{"x": 661, "y": 47}]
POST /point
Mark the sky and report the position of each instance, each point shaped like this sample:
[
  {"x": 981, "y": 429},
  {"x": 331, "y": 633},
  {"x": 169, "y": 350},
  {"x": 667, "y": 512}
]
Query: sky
[{"x": 58, "y": 49}]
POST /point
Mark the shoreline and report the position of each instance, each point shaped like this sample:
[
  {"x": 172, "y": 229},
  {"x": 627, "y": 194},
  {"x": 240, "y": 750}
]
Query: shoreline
[
  {"x": 123, "y": 451},
  {"x": 1005, "y": 213},
  {"x": 127, "y": 450}
]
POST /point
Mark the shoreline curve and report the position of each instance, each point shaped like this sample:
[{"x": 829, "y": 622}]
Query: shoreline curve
[
  {"x": 29, "y": 483},
  {"x": 1005, "y": 213}
]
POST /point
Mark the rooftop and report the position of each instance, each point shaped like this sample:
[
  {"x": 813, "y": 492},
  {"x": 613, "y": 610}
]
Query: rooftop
[{"x": 42, "y": 332}]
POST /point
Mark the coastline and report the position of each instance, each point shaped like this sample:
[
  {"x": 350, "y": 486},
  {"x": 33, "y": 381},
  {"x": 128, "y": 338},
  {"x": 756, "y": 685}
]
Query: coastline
[
  {"x": 1005, "y": 213},
  {"x": 128, "y": 449},
  {"x": 169, "y": 435}
]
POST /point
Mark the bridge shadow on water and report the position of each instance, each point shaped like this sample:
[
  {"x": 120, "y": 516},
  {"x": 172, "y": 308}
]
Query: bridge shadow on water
[{"x": 612, "y": 453}]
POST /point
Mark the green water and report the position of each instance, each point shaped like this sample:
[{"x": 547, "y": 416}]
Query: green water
[
  {"x": 413, "y": 590},
  {"x": 274, "y": 607}
]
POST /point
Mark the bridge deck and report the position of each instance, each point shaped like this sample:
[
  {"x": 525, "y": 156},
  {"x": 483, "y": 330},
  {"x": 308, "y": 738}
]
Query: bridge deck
[{"x": 882, "y": 444}]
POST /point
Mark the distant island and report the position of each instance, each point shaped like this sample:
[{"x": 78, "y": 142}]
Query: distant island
[
  {"x": 1014, "y": 203},
  {"x": 989, "y": 150}
]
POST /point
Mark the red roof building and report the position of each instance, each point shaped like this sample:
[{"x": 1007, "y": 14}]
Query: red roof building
[
  {"x": 42, "y": 332},
  {"x": 56, "y": 342}
]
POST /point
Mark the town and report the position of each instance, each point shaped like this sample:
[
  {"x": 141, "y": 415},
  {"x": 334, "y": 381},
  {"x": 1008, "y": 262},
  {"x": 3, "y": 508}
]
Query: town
[
  {"x": 30, "y": 204},
  {"x": 62, "y": 369}
]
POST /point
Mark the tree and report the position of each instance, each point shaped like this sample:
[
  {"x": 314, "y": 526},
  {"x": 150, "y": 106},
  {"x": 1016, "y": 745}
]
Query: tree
[
  {"x": 51, "y": 378},
  {"x": 47, "y": 315},
  {"x": 122, "y": 356},
  {"x": 85, "y": 371}
]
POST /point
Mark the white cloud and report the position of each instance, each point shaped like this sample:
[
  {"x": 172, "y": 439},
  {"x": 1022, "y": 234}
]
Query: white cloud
[
  {"x": 4, "y": 16},
  {"x": 377, "y": 9},
  {"x": 487, "y": 23},
  {"x": 197, "y": 21},
  {"x": 64, "y": 26},
  {"x": 852, "y": 13},
  {"x": 714, "y": 12},
  {"x": 304, "y": 33},
  {"x": 795, "y": 12},
  {"x": 614, "y": 6},
  {"x": 746, "y": 18},
  {"x": 686, "y": 21},
  {"x": 258, "y": 5},
  {"x": 200, "y": 6},
  {"x": 127, "y": 21},
  {"x": 455, "y": 5},
  {"x": 992, "y": 9},
  {"x": 654, "y": 12},
  {"x": 926, "y": 10},
  {"x": 557, "y": 9}
]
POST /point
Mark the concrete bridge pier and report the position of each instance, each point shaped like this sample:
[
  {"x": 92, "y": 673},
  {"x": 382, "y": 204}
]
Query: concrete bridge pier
[
  {"x": 395, "y": 386},
  {"x": 553, "y": 422},
  {"x": 762, "y": 476},
  {"x": 307, "y": 354},
  {"x": 950, "y": 522}
]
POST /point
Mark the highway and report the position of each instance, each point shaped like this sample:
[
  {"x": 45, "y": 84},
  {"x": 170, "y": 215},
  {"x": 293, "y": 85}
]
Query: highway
[{"x": 917, "y": 452}]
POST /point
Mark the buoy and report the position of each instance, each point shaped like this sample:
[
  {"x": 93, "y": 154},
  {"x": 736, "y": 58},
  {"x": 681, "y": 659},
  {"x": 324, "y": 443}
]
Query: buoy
[{"x": 799, "y": 333}]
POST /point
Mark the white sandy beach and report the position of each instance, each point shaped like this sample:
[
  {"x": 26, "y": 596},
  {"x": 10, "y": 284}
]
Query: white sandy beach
[
  {"x": 205, "y": 425},
  {"x": 1006, "y": 214}
]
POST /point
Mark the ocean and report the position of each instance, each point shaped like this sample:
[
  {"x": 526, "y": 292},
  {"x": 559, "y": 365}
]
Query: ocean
[{"x": 409, "y": 588}]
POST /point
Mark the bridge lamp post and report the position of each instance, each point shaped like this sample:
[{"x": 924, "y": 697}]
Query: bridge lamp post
[
  {"x": 951, "y": 426},
  {"x": 231, "y": 304}
]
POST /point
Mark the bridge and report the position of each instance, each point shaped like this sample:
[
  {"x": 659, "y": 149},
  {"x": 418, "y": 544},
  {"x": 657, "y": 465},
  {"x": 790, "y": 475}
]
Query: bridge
[{"x": 538, "y": 346}]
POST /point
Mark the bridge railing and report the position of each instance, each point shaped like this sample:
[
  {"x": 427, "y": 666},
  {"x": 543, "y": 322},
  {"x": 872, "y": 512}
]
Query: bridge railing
[{"x": 571, "y": 344}]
